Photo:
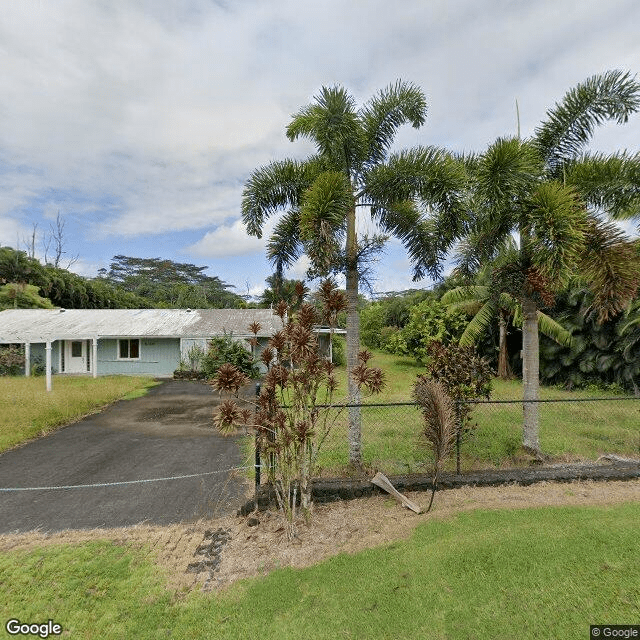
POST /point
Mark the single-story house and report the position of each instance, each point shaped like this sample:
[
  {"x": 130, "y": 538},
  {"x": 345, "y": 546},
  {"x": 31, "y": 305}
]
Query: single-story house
[{"x": 128, "y": 341}]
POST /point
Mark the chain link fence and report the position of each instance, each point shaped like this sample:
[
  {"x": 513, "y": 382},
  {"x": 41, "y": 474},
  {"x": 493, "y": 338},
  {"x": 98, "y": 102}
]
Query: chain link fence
[{"x": 570, "y": 429}]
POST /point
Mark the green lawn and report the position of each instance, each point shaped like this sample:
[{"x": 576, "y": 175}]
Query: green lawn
[
  {"x": 28, "y": 411},
  {"x": 391, "y": 441},
  {"x": 539, "y": 573}
]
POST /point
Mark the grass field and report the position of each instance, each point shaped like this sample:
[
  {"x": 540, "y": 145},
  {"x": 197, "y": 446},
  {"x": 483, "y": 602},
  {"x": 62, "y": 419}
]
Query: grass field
[
  {"x": 392, "y": 444},
  {"x": 534, "y": 573},
  {"x": 28, "y": 411}
]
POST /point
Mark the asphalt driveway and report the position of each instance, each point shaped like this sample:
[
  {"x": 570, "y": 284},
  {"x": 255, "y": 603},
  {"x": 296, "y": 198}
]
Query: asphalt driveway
[{"x": 166, "y": 433}]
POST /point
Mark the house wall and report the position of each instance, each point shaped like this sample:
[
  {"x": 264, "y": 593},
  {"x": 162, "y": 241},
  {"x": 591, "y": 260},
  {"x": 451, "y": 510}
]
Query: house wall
[
  {"x": 158, "y": 357},
  {"x": 39, "y": 354},
  {"x": 188, "y": 343}
]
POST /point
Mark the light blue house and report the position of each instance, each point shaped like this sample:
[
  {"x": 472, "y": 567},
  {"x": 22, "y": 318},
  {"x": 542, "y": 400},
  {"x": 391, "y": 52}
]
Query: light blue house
[{"x": 125, "y": 341}]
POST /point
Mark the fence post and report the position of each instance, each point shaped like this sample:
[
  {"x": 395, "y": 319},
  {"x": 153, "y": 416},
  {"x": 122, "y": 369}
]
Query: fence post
[
  {"x": 458, "y": 437},
  {"x": 257, "y": 461}
]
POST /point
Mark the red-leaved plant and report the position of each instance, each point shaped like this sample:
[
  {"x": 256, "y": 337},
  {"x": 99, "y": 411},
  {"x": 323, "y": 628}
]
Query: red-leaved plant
[{"x": 297, "y": 407}]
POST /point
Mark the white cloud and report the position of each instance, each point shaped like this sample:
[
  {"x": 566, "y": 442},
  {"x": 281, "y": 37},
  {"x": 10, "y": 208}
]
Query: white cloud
[
  {"x": 229, "y": 240},
  {"x": 145, "y": 117}
]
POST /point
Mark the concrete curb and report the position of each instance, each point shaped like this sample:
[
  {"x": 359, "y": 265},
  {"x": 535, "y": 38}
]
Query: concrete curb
[{"x": 334, "y": 489}]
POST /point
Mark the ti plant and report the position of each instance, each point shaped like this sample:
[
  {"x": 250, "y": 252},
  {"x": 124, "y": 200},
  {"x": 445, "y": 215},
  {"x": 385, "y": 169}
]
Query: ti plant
[
  {"x": 440, "y": 423},
  {"x": 297, "y": 407}
]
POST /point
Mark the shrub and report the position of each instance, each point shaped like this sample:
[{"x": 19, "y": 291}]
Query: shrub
[
  {"x": 11, "y": 360},
  {"x": 338, "y": 350},
  {"x": 38, "y": 367},
  {"x": 463, "y": 374},
  {"x": 296, "y": 408},
  {"x": 429, "y": 321},
  {"x": 371, "y": 322},
  {"x": 225, "y": 349}
]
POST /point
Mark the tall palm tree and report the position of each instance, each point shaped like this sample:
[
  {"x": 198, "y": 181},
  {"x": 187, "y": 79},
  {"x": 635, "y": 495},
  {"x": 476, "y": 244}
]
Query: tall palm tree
[
  {"x": 554, "y": 196},
  {"x": 353, "y": 169}
]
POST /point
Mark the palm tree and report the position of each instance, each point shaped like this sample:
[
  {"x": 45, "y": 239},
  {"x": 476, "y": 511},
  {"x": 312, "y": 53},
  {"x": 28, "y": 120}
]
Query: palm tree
[
  {"x": 353, "y": 169},
  {"x": 477, "y": 300},
  {"x": 553, "y": 195},
  {"x": 484, "y": 301}
]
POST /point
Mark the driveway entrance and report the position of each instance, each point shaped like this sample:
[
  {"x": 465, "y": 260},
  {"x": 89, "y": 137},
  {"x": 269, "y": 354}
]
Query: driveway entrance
[{"x": 167, "y": 433}]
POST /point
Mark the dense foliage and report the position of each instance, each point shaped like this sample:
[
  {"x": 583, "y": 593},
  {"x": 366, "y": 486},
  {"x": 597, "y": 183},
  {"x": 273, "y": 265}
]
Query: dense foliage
[
  {"x": 429, "y": 321},
  {"x": 11, "y": 360},
  {"x": 61, "y": 287},
  {"x": 226, "y": 350},
  {"x": 131, "y": 283},
  {"x": 381, "y": 319},
  {"x": 601, "y": 354},
  {"x": 169, "y": 284},
  {"x": 22, "y": 296}
]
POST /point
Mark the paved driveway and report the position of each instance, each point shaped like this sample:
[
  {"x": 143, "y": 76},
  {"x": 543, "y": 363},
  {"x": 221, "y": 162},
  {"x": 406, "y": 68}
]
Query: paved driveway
[{"x": 163, "y": 434}]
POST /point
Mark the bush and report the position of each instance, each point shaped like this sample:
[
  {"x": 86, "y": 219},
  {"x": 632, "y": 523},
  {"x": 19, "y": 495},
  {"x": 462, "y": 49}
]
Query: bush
[
  {"x": 11, "y": 360},
  {"x": 226, "y": 349},
  {"x": 371, "y": 323},
  {"x": 38, "y": 367},
  {"x": 463, "y": 374},
  {"x": 338, "y": 351},
  {"x": 429, "y": 321}
]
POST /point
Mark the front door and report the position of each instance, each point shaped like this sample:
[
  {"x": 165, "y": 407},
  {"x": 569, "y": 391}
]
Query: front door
[{"x": 75, "y": 356}]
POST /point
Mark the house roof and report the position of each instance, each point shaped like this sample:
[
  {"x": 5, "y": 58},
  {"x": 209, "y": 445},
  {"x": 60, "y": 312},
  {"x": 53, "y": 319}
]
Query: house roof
[{"x": 41, "y": 325}]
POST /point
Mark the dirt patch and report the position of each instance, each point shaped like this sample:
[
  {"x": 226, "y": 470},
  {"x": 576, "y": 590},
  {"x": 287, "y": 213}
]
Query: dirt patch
[{"x": 248, "y": 549}]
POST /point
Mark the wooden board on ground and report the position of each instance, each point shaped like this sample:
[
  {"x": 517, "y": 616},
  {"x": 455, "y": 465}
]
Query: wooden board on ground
[{"x": 380, "y": 480}]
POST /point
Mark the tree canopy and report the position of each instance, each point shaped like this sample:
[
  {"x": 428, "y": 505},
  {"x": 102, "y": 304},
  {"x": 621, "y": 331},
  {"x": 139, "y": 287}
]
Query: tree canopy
[{"x": 165, "y": 283}]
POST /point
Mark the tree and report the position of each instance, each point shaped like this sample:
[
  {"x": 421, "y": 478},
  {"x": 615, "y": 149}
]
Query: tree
[
  {"x": 485, "y": 303},
  {"x": 22, "y": 296},
  {"x": 352, "y": 170},
  {"x": 17, "y": 266},
  {"x": 282, "y": 289},
  {"x": 430, "y": 321},
  {"x": 170, "y": 284},
  {"x": 553, "y": 195},
  {"x": 56, "y": 236}
]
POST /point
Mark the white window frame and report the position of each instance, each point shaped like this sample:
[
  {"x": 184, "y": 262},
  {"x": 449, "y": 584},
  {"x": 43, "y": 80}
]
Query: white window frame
[{"x": 128, "y": 340}]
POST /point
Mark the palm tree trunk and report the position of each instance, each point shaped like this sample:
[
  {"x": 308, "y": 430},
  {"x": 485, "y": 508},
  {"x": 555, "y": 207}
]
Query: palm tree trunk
[
  {"x": 504, "y": 370},
  {"x": 353, "y": 340},
  {"x": 530, "y": 376}
]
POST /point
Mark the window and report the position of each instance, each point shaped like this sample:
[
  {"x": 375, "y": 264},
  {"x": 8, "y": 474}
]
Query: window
[
  {"x": 129, "y": 349},
  {"x": 76, "y": 349}
]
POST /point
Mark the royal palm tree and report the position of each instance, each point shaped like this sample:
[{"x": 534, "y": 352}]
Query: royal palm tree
[
  {"x": 412, "y": 195},
  {"x": 554, "y": 197}
]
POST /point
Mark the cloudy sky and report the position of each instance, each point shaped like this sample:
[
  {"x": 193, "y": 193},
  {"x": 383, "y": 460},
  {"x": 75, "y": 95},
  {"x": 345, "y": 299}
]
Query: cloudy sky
[{"x": 140, "y": 120}]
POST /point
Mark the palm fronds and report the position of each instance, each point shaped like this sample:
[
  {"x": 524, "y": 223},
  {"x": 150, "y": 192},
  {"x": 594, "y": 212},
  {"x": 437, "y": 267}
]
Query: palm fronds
[
  {"x": 440, "y": 423},
  {"x": 397, "y": 104},
  {"x": 569, "y": 126},
  {"x": 612, "y": 263}
]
